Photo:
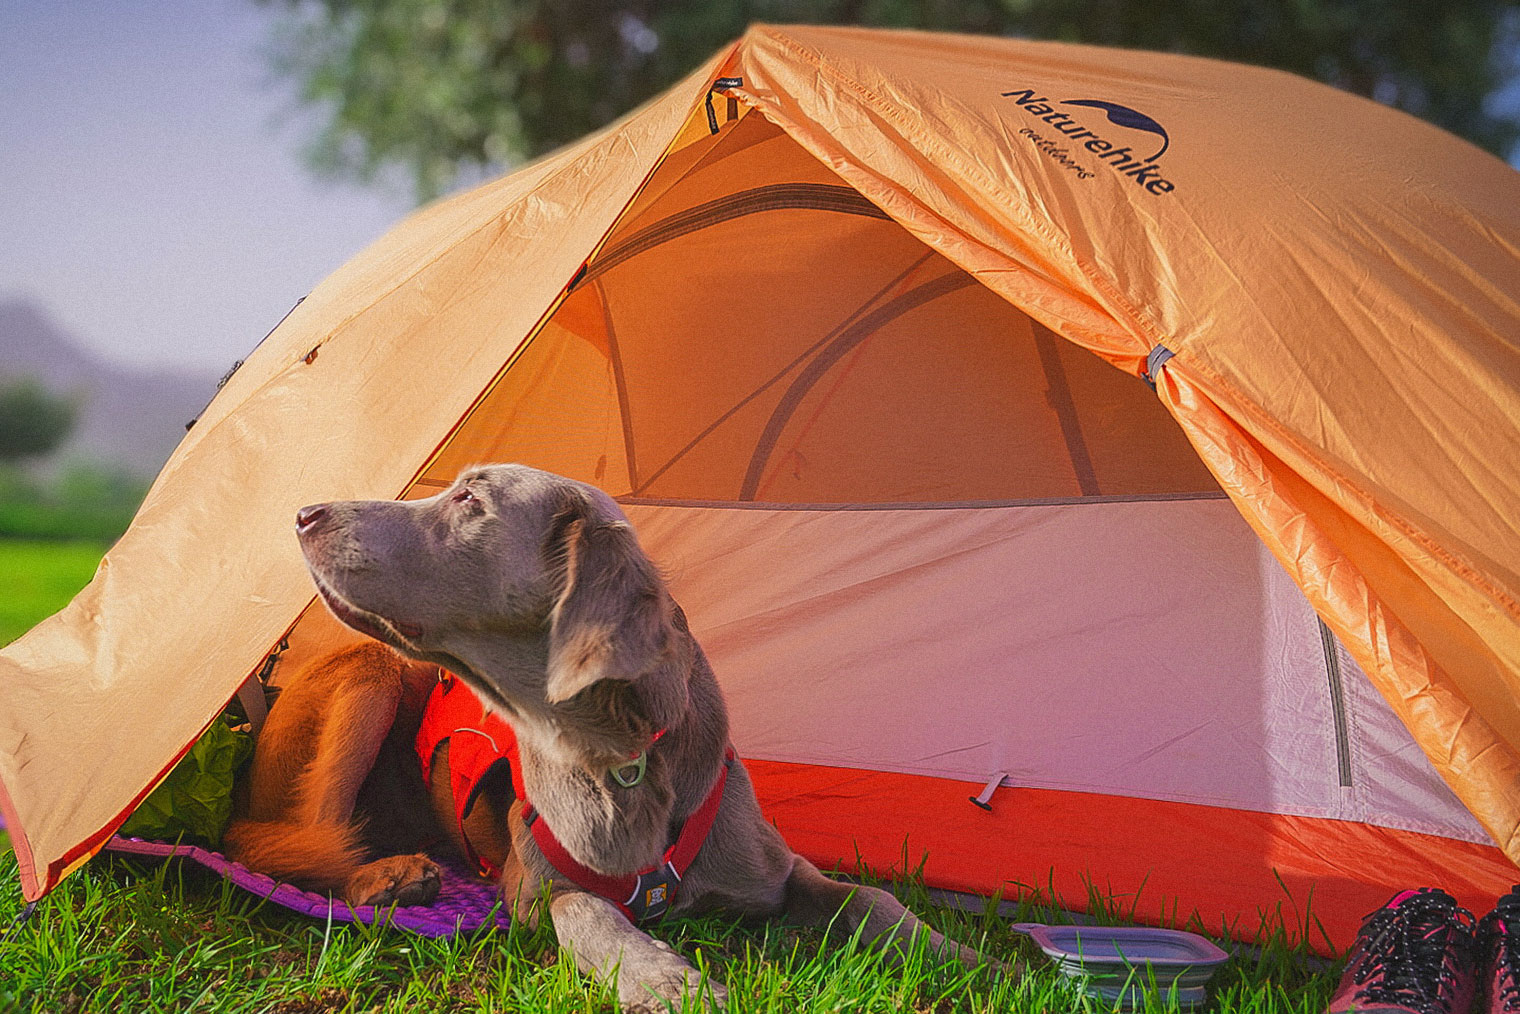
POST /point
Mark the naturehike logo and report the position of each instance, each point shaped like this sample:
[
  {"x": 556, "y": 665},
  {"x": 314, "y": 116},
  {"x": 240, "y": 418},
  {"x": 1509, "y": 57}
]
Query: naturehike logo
[{"x": 1143, "y": 169}]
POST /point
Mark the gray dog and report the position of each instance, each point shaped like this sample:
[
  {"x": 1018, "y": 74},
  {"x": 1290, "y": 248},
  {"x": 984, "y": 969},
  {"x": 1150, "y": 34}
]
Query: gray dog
[{"x": 533, "y": 589}]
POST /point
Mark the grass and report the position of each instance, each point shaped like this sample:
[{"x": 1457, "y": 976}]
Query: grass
[
  {"x": 81, "y": 500},
  {"x": 39, "y": 578},
  {"x": 47, "y": 521},
  {"x": 119, "y": 935}
]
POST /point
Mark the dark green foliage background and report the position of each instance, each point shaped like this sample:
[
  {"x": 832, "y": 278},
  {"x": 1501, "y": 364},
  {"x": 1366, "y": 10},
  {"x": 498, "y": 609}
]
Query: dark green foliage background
[
  {"x": 32, "y": 421},
  {"x": 447, "y": 89}
]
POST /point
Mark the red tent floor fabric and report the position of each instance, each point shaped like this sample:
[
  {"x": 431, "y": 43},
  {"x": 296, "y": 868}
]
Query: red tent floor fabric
[{"x": 1159, "y": 861}]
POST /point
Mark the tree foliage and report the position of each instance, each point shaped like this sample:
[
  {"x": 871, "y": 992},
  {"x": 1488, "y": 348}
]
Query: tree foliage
[
  {"x": 449, "y": 87},
  {"x": 33, "y": 422}
]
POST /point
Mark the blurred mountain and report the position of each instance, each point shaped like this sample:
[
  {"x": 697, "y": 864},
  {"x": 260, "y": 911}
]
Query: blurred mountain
[{"x": 129, "y": 418}]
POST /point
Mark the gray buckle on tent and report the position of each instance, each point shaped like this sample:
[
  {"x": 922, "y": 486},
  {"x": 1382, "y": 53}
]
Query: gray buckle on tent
[{"x": 1153, "y": 363}]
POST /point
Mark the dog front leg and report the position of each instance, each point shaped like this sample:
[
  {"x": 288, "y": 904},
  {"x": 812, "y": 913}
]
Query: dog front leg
[{"x": 650, "y": 975}]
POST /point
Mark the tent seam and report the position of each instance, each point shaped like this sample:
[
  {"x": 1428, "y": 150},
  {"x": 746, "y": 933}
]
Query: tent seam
[{"x": 926, "y": 505}]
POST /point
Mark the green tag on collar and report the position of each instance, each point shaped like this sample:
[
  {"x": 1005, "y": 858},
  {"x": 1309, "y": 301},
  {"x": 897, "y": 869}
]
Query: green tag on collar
[{"x": 631, "y": 774}]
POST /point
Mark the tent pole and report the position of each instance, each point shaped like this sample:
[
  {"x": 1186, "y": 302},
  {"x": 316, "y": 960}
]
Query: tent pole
[
  {"x": 1058, "y": 394},
  {"x": 621, "y": 383}
]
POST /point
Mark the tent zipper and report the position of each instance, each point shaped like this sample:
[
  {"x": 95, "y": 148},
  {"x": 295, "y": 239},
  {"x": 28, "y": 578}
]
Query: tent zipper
[{"x": 1337, "y": 704}]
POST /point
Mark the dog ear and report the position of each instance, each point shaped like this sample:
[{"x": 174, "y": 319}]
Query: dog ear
[{"x": 613, "y": 619}]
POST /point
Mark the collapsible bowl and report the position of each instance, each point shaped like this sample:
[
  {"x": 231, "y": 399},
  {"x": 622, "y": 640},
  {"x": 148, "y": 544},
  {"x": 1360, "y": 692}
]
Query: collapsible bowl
[{"x": 1119, "y": 963}]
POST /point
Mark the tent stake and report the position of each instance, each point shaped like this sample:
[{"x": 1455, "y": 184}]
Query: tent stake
[
  {"x": 985, "y": 799},
  {"x": 21, "y": 920}
]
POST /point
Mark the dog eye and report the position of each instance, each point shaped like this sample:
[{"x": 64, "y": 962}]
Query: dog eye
[{"x": 462, "y": 496}]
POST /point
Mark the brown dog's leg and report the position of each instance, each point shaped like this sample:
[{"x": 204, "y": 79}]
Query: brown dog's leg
[
  {"x": 815, "y": 900},
  {"x": 650, "y": 975},
  {"x": 358, "y": 719},
  {"x": 318, "y": 858},
  {"x": 355, "y": 723},
  {"x": 328, "y": 728}
]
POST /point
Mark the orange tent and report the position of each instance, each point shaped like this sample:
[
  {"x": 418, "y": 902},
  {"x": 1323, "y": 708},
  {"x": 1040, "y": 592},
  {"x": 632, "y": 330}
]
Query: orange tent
[{"x": 851, "y": 322}]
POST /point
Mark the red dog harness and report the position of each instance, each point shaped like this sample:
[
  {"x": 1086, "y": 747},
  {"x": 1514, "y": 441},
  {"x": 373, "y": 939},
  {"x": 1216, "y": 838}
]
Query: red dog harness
[
  {"x": 480, "y": 741},
  {"x": 648, "y": 894}
]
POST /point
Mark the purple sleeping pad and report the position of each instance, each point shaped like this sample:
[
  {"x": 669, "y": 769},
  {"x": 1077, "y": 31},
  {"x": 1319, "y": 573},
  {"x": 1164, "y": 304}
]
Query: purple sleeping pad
[{"x": 464, "y": 903}]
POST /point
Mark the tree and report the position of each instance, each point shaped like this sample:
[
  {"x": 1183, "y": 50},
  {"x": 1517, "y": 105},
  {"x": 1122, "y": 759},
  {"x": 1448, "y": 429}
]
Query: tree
[
  {"x": 445, "y": 88},
  {"x": 32, "y": 421}
]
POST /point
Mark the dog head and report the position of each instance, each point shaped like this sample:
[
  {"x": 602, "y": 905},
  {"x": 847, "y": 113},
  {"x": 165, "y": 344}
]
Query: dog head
[{"x": 531, "y": 586}]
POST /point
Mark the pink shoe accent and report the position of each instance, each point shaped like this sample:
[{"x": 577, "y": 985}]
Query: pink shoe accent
[{"x": 1415, "y": 955}]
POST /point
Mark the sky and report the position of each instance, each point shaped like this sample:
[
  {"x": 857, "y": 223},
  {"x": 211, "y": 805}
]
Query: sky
[{"x": 155, "y": 203}]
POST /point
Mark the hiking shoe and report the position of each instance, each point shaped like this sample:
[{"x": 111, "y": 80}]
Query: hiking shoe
[
  {"x": 1415, "y": 955},
  {"x": 1499, "y": 943}
]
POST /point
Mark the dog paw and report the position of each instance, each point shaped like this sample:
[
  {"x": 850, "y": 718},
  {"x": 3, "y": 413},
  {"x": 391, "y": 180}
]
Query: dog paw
[
  {"x": 659, "y": 983},
  {"x": 395, "y": 880}
]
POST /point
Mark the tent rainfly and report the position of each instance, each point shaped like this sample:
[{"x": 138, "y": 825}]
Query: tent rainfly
[{"x": 856, "y": 326}]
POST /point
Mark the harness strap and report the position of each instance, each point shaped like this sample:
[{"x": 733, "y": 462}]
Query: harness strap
[
  {"x": 648, "y": 894},
  {"x": 478, "y": 741}
]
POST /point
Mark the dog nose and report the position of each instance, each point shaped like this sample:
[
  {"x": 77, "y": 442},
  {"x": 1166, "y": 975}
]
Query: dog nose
[{"x": 306, "y": 517}]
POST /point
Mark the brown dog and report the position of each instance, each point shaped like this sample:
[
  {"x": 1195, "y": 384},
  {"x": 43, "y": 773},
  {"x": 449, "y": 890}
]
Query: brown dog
[
  {"x": 533, "y": 589},
  {"x": 335, "y": 781}
]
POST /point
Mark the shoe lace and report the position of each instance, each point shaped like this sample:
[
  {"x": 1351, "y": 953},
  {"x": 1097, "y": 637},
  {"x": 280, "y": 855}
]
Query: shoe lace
[
  {"x": 1406, "y": 952},
  {"x": 1502, "y": 931}
]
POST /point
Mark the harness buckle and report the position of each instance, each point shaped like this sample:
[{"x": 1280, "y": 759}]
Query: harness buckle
[{"x": 654, "y": 893}]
